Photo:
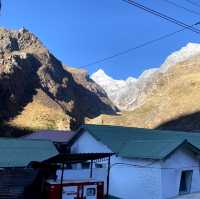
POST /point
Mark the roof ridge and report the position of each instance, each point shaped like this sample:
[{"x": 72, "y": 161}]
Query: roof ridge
[
  {"x": 21, "y": 139},
  {"x": 146, "y": 129},
  {"x": 180, "y": 139},
  {"x": 36, "y": 140}
]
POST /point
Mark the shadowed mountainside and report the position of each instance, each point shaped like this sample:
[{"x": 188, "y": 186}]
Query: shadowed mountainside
[
  {"x": 12, "y": 131},
  {"x": 190, "y": 122},
  {"x": 38, "y": 92}
]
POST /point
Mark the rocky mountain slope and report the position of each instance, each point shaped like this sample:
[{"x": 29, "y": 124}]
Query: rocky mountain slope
[
  {"x": 171, "y": 99},
  {"x": 38, "y": 91},
  {"x": 131, "y": 93}
]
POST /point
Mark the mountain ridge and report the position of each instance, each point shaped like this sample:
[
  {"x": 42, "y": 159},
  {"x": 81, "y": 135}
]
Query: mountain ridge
[
  {"x": 38, "y": 91},
  {"x": 170, "y": 101},
  {"x": 128, "y": 95}
]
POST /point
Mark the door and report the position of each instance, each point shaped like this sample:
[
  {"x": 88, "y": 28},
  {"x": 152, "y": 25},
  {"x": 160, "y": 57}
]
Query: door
[
  {"x": 90, "y": 192},
  {"x": 185, "y": 182}
]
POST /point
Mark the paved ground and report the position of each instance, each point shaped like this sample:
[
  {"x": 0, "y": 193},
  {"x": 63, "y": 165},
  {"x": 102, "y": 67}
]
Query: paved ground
[{"x": 190, "y": 196}]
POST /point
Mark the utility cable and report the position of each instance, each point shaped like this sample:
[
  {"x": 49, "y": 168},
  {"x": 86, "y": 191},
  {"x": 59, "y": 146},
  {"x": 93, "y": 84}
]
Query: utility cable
[
  {"x": 136, "y": 47},
  {"x": 163, "y": 16},
  {"x": 193, "y": 3},
  {"x": 182, "y": 7}
]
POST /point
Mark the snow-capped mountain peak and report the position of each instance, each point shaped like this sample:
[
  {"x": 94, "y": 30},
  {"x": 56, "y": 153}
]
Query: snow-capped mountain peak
[
  {"x": 185, "y": 53},
  {"x": 101, "y": 77},
  {"x": 100, "y": 73},
  {"x": 127, "y": 94},
  {"x": 117, "y": 90}
]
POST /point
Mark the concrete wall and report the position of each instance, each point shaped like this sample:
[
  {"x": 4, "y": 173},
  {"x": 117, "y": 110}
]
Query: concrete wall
[
  {"x": 129, "y": 181},
  {"x": 87, "y": 144},
  {"x": 182, "y": 159}
]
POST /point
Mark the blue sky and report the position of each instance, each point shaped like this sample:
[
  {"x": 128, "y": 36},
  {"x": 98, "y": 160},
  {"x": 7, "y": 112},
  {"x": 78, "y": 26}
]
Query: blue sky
[{"x": 82, "y": 31}]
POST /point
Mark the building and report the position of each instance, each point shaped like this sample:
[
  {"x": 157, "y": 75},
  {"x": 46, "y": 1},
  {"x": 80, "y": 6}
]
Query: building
[
  {"x": 19, "y": 153},
  {"x": 149, "y": 164},
  {"x": 61, "y": 139},
  {"x": 17, "y": 178},
  {"x": 77, "y": 168}
]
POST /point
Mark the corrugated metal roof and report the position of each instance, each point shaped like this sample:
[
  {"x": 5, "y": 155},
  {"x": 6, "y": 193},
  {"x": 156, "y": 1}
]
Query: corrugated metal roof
[
  {"x": 20, "y": 152},
  {"x": 77, "y": 157},
  {"x": 52, "y": 135},
  {"x": 142, "y": 143}
]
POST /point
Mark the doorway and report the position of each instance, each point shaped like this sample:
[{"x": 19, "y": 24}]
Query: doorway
[{"x": 185, "y": 182}]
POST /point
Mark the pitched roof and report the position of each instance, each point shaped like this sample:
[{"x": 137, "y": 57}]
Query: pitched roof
[
  {"x": 20, "y": 152},
  {"x": 142, "y": 143},
  {"x": 52, "y": 135}
]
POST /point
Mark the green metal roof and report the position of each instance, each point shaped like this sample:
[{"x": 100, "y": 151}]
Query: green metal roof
[
  {"x": 20, "y": 152},
  {"x": 142, "y": 143}
]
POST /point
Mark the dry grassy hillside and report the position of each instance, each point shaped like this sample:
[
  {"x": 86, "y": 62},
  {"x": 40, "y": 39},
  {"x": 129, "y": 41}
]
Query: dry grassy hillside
[
  {"x": 174, "y": 94},
  {"x": 41, "y": 113}
]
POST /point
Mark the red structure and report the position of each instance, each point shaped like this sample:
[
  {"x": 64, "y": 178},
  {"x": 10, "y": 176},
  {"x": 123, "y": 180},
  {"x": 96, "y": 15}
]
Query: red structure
[{"x": 75, "y": 190}]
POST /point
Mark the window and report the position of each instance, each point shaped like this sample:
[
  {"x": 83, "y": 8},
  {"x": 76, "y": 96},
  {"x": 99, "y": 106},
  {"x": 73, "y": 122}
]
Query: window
[{"x": 185, "y": 182}]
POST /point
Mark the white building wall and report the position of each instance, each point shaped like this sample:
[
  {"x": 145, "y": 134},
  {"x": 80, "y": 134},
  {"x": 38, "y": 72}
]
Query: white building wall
[
  {"x": 87, "y": 144},
  {"x": 153, "y": 181},
  {"x": 181, "y": 160},
  {"x": 127, "y": 180}
]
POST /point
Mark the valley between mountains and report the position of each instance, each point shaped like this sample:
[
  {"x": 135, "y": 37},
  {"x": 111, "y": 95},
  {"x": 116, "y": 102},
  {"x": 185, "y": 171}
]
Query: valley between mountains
[{"x": 38, "y": 91}]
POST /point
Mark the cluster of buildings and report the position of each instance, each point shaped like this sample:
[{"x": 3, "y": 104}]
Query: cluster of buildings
[{"x": 99, "y": 162}]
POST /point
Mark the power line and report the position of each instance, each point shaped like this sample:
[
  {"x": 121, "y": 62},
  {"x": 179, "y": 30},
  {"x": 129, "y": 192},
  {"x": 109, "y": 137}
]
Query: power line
[
  {"x": 137, "y": 47},
  {"x": 151, "y": 41},
  {"x": 193, "y": 3},
  {"x": 163, "y": 16},
  {"x": 182, "y": 7}
]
